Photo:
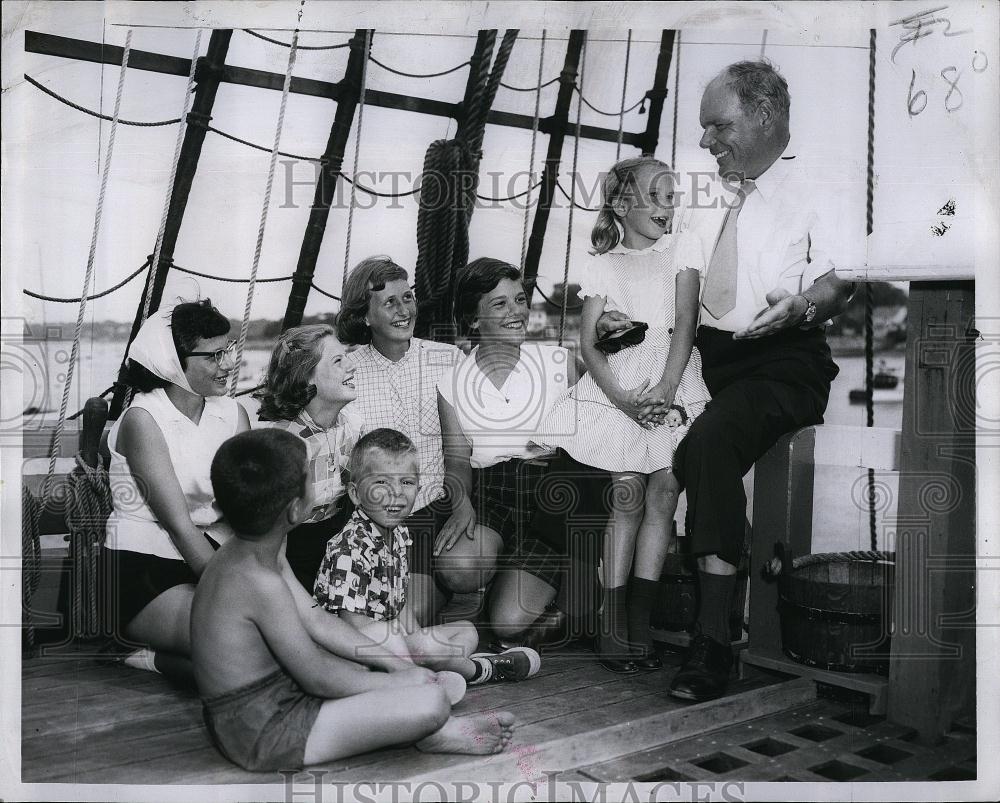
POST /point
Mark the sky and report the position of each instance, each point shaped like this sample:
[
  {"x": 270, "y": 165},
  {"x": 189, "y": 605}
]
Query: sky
[{"x": 53, "y": 155}]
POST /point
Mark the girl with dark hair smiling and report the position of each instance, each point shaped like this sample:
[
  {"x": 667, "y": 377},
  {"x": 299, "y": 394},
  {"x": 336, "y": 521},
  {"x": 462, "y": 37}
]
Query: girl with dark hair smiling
[{"x": 165, "y": 524}]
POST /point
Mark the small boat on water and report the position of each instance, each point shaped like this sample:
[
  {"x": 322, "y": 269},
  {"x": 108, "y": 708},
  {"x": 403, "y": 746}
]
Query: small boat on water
[{"x": 885, "y": 386}]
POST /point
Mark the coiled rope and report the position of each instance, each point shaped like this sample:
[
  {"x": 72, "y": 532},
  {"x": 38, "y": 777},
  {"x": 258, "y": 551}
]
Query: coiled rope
[
  {"x": 446, "y": 201},
  {"x": 531, "y": 158},
  {"x": 263, "y": 213},
  {"x": 88, "y": 507},
  {"x": 572, "y": 196},
  {"x": 357, "y": 153},
  {"x": 31, "y": 564}
]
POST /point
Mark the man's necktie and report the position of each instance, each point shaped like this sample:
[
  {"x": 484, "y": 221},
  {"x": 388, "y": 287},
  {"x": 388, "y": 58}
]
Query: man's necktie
[{"x": 720, "y": 283}]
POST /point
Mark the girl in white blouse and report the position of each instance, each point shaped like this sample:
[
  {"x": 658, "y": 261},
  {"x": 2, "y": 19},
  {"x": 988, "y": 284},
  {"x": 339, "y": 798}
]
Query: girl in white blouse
[
  {"x": 492, "y": 405},
  {"x": 652, "y": 275}
]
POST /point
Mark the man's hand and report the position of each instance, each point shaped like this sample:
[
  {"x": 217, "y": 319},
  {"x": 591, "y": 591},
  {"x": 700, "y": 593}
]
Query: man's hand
[
  {"x": 612, "y": 321},
  {"x": 461, "y": 522},
  {"x": 784, "y": 312}
]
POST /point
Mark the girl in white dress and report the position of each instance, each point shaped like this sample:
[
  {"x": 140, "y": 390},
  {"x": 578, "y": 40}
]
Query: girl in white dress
[{"x": 613, "y": 418}]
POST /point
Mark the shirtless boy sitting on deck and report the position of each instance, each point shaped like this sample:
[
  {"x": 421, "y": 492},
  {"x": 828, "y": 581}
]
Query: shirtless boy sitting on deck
[{"x": 273, "y": 698}]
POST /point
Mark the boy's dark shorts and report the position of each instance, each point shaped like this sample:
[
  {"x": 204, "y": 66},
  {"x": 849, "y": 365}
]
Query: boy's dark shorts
[{"x": 264, "y": 725}]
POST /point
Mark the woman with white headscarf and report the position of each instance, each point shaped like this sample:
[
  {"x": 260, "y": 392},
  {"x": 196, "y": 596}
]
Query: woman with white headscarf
[{"x": 165, "y": 524}]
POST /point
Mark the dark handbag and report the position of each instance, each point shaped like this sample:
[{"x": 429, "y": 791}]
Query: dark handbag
[{"x": 616, "y": 341}]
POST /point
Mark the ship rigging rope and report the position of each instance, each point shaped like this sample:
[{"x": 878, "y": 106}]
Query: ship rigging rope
[
  {"x": 158, "y": 249},
  {"x": 531, "y": 158},
  {"x": 357, "y": 152},
  {"x": 298, "y": 47},
  {"x": 572, "y": 200},
  {"x": 557, "y": 304},
  {"x": 869, "y": 298},
  {"x": 621, "y": 117},
  {"x": 572, "y": 196},
  {"x": 91, "y": 112},
  {"x": 232, "y": 137},
  {"x": 91, "y": 257},
  {"x": 103, "y": 293},
  {"x": 536, "y": 88},
  {"x": 387, "y": 68},
  {"x": 263, "y": 212}
]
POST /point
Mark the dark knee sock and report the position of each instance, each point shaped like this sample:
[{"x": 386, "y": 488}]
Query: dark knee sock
[
  {"x": 613, "y": 638},
  {"x": 642, "y": 595},
  {"x": 716, "y": 602}
]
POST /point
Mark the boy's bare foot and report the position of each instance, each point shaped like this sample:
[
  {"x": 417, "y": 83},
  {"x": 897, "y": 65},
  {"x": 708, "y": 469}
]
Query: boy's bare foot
[
  {"x": 453, "y": 685},
  {"x": 479, "y": 735}
]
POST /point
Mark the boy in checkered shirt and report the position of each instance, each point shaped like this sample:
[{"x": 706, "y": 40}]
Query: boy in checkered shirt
[{"x": 363, "y": 576}]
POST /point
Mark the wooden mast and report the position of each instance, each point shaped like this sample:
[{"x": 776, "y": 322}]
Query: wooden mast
[
  {"x": 658, "y": 94},
  {"x": 326, "y": 184},
  {"x": 207, "y": 78},
  {"x": 556, "y": 127}
]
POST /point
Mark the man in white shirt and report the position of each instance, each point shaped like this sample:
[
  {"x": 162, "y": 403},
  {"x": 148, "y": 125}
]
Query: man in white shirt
[{"x": 766, "y": 292}]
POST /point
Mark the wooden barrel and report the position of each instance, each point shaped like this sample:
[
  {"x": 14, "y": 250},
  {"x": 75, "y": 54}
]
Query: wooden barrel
[{"x": 835, "y": 608}]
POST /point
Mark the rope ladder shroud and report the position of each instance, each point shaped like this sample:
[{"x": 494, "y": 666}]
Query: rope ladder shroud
[
  {"x": 531, "y": 158},
  {"x": 326, "y": 184},
  {"x": 244, "y": 327},
  {"x": 208, "y": 76},
  {"x": 553, "y": 156},
  {"x": 357, "y": 153},
  {"x": 75, "y": 351},
  {"x": 572, "y": 198}
]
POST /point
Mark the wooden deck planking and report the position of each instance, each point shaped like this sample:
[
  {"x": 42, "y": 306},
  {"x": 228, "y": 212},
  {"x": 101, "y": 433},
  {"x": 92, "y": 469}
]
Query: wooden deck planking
[{"x": 89, "y": 722}]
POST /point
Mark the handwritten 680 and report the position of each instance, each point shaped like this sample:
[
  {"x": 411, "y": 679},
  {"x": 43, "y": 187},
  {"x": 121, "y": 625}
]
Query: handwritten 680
[{"x": 916, "y": 102}]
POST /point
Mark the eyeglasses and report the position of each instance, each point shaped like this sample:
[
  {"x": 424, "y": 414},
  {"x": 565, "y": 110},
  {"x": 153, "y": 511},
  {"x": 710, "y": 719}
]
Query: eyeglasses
[{"x": 218, "y": 356}]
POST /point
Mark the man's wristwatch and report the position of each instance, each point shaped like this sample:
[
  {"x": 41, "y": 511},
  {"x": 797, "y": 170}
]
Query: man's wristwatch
[{"x": 810, "y": 313}]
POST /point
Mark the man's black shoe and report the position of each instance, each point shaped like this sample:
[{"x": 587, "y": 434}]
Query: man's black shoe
[{"x": 705, "y": 671}]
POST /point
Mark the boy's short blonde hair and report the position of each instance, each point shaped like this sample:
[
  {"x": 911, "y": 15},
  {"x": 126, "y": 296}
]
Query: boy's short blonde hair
[{"x": 390, "y": 441}]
